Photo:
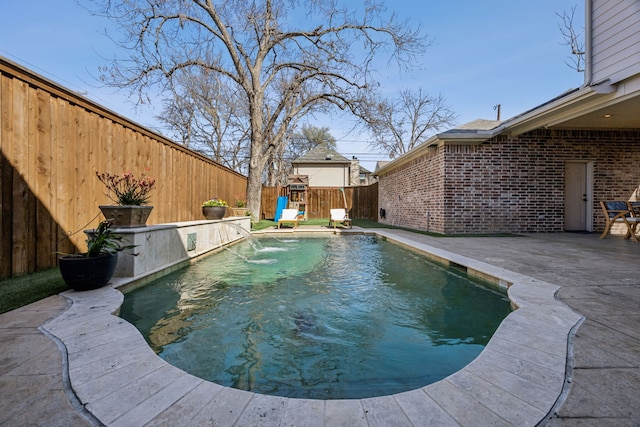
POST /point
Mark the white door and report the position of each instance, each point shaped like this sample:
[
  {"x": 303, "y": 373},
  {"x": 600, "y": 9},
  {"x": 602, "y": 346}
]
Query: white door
[{"x": 576, "y": 196}]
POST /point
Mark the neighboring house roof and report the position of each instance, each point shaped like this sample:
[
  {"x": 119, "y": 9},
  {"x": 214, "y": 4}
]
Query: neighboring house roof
[
  {"x": 364, "y": 170},
  {"x": 380, "y": 164},
  {"x": 322, "y": 155}
]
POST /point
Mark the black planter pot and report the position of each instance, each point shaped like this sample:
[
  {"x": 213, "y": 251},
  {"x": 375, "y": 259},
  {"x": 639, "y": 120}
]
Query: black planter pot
[
  {"x": 82, "y": 274},
  {"x": 214, "y": 212}
]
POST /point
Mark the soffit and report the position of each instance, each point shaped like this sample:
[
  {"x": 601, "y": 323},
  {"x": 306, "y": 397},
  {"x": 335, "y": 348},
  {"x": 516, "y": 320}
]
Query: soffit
[
  {"x": 593, "y": 107},
  {"x": 622, "y": 115}
]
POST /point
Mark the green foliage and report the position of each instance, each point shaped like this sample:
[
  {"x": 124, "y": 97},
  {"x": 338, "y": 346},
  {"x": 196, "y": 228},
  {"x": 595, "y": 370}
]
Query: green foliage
[
  {"x": 103, "y": 241},
  {"x": 241, "y": 200}
]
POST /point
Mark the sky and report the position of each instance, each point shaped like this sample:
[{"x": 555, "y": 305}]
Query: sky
[{"x": 484, "y": 53}]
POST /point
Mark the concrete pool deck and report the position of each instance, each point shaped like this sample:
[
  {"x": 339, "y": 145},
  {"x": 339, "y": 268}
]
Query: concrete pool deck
[{"x": 563, "y": 283}]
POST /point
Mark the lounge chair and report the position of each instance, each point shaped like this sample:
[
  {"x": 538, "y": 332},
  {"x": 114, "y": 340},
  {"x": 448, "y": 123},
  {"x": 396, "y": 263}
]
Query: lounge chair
[
  {"x": 339, "y": 216},
  {"x": 621, "y": 212},
  {"x": 289, "y": 216}
]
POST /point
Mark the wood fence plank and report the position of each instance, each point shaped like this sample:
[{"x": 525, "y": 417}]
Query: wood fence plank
[
  {"x": 19, "y": 161},
  {"x": 45, "y": 225},
  {"x": 66, "y": 180},
  {"x": 362, "y": 201},
  {"x": 6, "y": 175}
]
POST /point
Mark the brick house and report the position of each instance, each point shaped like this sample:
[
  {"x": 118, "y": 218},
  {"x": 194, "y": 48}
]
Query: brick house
[{"x": 544, "y": 170}]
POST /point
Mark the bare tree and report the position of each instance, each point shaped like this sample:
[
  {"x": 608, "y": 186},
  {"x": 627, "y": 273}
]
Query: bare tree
[
  {"x": 399, "y": 125},
  {"x": 285, "y": 57},
  {"x": 308, "y": 138},
  {"x": 208, "y": 117},
  {"x": 298, "y": 143},
  {"x": 179, "y": 113},
  {"x": 574, "y": 39}
]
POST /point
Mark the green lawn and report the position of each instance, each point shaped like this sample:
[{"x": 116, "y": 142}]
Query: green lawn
[
  {"x": 23, "y": 290},
  {"x": 265, "y": 223}
]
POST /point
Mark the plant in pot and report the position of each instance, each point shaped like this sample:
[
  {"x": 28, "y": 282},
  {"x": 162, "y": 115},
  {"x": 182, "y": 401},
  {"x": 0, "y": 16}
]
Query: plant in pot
[
  {"x": 131, "y": 196},
  {"x": 240, "y": 208},
  {"x": 214, "y": 208},
  {"x": 94, "y": 268}
]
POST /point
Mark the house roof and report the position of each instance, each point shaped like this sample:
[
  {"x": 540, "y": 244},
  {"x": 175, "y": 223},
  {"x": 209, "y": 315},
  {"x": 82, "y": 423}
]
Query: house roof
[
  {"x": 478, "y": 124},
  {"x": 380, "y": 164},
  {"x": 321, "y": 155}
]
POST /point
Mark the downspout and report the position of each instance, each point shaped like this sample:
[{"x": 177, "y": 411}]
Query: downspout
[{"x": 588, "y": 42}]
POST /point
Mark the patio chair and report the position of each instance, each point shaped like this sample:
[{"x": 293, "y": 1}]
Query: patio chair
[
  {"x": 339, "y": 216},
  {"x": 620, "y": 212},
  {"x": 634, "y": 207},
  {"x": 289, "y": 216}
]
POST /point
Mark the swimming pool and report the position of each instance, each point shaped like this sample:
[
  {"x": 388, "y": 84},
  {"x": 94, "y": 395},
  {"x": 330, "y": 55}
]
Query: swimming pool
[{"x": 324, "y": 318}]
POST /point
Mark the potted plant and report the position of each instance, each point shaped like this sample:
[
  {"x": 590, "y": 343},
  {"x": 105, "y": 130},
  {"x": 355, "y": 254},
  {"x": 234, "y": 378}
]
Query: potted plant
[
  {"x": 240, "y": 208},
  {"x": 94, "y": 268},
  {"x": 131, "y": 195},
  {"x": 214, "y": 208}
]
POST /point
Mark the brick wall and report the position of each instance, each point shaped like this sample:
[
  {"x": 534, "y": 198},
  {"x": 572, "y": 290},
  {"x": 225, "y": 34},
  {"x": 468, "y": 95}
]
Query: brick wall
[
  {"x": 507, "y": 184},
  {"x": 412, "y": 193}
]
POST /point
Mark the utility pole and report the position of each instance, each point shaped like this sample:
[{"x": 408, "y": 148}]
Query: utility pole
[{"x": 497, "y": 108}]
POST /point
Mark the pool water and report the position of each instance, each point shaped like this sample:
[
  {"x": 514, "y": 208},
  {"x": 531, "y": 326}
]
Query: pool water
[{"x": 343, "y": 317}]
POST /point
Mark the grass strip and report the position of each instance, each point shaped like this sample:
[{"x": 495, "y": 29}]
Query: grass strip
[{"x": 25, "y": 289}]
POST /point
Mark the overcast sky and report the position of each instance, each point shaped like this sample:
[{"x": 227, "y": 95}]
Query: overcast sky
[{"x": 484, "y": 53}]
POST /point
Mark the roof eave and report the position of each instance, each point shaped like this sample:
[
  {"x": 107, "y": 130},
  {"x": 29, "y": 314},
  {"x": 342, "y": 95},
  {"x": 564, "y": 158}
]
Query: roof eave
[
  {"x": 416, "y": 152},
  {"x": 445, "y": 138},
  {"x": 558, "y": 110},
  {"x": 554, "y": 112}
]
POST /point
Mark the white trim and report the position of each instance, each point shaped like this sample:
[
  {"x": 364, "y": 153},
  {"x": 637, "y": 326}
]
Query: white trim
[{"x": 590, "y": 201}]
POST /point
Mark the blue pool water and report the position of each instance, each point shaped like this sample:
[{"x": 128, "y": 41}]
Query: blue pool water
[{"x": 324, "y": 318}]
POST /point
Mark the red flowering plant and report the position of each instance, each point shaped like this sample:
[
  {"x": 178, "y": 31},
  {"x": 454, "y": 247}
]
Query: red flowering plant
[{"x": 128, "y": 189}]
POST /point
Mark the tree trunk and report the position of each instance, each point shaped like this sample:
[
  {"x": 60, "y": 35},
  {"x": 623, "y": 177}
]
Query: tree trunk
[
  {"x": 254, "y": 193},
  {"x": 257, "y": 163}
]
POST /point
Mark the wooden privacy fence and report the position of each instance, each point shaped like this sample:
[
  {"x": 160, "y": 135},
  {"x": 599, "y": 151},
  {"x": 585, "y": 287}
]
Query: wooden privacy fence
[
  {"x": 362, "y": 202},
  {"x": 53, "y": 141}
]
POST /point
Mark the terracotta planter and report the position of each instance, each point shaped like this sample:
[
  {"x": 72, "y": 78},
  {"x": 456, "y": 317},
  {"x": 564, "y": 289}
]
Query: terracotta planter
[
  {"x": 126, "y": 216},
  {"x": 82, "y": 274},
  {"x": 214, "y": 212},
  {"x": 239, "y": 211}
]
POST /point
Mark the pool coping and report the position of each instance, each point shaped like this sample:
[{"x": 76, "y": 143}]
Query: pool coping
[{"x": 516, "y": 380}]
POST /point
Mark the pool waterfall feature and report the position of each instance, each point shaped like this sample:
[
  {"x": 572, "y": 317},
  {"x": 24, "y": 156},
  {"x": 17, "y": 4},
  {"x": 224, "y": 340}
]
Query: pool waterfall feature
[{"x": 163, "y": 248}]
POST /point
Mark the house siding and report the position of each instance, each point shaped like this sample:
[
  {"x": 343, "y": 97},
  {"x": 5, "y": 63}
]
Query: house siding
[
  {"x": 323, "y": 175},
  {"x": 615, "y": 39},
  {"x": 511, "y": 185}
]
